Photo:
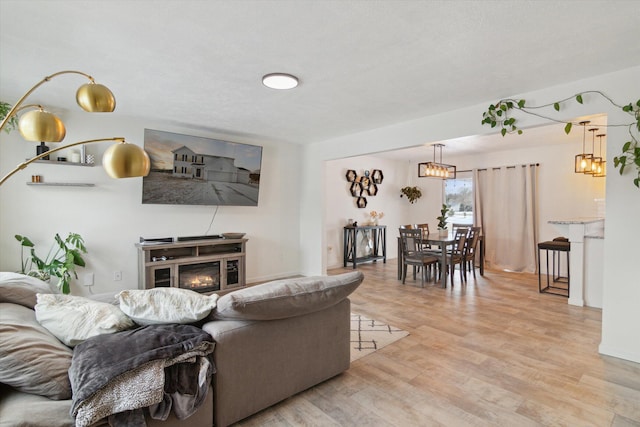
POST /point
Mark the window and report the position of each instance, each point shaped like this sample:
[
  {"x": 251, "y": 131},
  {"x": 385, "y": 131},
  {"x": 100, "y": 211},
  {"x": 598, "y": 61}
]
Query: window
[{"x": 458, "y": 193}]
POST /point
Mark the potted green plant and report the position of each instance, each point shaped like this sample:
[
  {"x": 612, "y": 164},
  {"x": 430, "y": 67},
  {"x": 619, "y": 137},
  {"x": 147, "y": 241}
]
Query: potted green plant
[
  {"x": 13, "y": 121},
  {"x": 445, "y": 212},
  {"x": 412, "y": 193},
  {"x": 61, "y": 260}
]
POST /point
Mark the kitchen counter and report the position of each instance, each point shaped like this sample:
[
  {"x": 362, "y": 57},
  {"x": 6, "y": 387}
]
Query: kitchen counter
[
  {"x": 582, "y": 220},
  {"x": 587, "y": 242}
]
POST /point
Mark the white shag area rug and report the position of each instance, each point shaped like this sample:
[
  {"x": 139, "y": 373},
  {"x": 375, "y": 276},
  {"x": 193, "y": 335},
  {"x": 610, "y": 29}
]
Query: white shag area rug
[{"x": 369, "y": 335}]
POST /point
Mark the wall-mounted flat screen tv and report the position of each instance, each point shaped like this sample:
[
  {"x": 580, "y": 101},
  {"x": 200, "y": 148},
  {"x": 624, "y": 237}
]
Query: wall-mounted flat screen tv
[{"x": 192, "y": 170}]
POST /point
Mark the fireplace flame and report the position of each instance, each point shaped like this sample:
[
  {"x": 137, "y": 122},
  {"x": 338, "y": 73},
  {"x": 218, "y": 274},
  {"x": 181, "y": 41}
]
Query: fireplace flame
[{"x": 201, "y": 281}]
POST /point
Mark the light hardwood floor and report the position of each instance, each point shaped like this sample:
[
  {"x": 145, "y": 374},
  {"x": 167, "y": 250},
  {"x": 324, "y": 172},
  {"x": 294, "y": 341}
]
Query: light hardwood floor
[{"x": 488, "y": 353}]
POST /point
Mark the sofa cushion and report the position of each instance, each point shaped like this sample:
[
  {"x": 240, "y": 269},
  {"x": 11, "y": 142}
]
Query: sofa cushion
[
  {"x": 73, "y": 319},
  {"x": 31, "y": 358},
  {"x": 287, "y": 298},
  {"x": 25, "y": 409},
  {"x": 166, "y": 305},
  {"x": 21, "y": 289}
]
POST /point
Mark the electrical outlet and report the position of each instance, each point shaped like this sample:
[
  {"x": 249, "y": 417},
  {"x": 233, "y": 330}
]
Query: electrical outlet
[
  {"x": 117, "y": 276},
  {"x": 88, "y": 279}
]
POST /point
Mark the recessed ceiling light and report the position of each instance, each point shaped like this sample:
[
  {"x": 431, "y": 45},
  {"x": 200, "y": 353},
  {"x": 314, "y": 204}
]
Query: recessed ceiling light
[{"x": 280, "y": 81}]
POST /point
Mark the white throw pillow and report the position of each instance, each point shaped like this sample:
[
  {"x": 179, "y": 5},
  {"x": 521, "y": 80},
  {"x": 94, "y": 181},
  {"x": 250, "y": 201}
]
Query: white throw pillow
[
  {"x": 73, "y": 319},
  {"x": 166, "y": 305}
]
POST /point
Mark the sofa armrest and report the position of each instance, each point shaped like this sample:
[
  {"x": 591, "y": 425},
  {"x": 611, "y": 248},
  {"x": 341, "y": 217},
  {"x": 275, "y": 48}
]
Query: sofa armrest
[{"x": 260, "y": 363}]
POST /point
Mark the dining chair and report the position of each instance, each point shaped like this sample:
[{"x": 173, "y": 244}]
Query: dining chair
[
  {"x": 408, "y": 227},
  {"x": 412, "y": 254},
  {"x": 456, "y": 226},
  {"x": 473, "y": 237},
  {"x": 425, "y": 232},
  {"x": 456, "y": 255}
]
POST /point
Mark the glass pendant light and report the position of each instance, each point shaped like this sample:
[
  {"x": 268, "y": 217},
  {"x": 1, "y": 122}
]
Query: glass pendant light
[
  {"x": 583, "y": 160},
  {"x": 600, "y": 170}
]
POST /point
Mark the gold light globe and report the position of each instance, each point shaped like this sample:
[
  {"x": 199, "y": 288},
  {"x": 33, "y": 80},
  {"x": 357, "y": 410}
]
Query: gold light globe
[
  {"x": 95, "y": 98},
  {"x": 39, "y": 125},
  {"x": 125, "y": 160}
]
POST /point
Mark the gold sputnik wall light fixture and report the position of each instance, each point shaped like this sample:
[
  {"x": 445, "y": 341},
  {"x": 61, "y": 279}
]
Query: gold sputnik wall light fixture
[{"x": 121, "y": 160}]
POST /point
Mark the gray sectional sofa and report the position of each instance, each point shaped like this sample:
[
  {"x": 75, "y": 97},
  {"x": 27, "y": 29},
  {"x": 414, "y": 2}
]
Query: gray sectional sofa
[{"x": 271, "y": 342}]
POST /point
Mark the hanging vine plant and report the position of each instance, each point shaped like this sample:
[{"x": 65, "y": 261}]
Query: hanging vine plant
[
  {"x": 412, "y": 193},
  {"x": 500, "y": 115}
]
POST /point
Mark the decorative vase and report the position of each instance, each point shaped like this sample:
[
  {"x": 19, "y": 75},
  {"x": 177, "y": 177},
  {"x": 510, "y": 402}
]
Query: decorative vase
[
  {"x": 42, "y": 149},
  {"x": 443, "y": 232},
  {"x": 374, "y": 221}
]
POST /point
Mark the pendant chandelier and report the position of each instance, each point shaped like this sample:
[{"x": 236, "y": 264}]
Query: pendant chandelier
[
  {"x": 584, "y": 160},
  {"x": 436, "y": 169},
  {"x": 594, "y": 160},
  {"x": 599, "y": 164}
]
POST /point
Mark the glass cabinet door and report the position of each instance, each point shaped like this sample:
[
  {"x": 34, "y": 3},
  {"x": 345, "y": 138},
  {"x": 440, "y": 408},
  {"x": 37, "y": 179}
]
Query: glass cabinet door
[{"x": 161, "y": 277}]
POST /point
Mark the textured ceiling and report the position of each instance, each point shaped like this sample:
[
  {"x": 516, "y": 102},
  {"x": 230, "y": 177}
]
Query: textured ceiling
[{"x": 362, "y": 64}]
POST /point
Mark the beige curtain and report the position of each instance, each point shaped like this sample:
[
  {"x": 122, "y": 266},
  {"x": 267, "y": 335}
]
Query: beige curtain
[{"x": 506, "y": 209}]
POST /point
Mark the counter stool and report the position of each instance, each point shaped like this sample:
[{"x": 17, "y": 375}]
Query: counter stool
[{"x": 556, "y": 246}]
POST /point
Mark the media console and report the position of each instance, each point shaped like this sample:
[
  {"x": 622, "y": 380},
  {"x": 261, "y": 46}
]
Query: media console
[{"x": 207, "y": 266}]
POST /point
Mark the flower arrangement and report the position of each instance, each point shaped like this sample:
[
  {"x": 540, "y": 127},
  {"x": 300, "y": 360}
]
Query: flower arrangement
[{"x": 375, "y": 216}]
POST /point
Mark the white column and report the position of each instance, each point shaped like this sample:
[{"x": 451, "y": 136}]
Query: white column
[
  {"x": 576, "y": 264},
  {"x": 576, "y": 230}
]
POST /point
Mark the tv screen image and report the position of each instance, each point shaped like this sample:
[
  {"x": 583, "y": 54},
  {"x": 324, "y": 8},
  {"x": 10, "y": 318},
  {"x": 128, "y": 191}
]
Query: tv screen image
[{"x": 193, "y": 170}]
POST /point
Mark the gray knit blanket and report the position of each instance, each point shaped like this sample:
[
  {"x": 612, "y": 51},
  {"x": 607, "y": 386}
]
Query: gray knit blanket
[{"x": 158, "y": 367}]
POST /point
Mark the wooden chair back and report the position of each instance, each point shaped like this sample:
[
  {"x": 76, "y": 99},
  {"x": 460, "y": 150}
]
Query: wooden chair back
[
  {"x": 424, "y": 228},
  {"x": 411, "y": 241},
  {"x": 460, "y": 237},
  {"x": 472, "y": 243}
]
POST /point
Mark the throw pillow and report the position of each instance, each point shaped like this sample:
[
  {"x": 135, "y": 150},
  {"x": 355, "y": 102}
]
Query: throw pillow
[
  {"x": 287, "y": 298},
  {"x": 73, "y": 319},
  {"x": 166, "y": 305},
  {"x": 21, "y": 289},
  {"x": 31, "y": 359}
]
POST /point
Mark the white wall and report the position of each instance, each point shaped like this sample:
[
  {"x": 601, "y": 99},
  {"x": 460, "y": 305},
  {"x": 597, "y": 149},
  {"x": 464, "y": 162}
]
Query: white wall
[
  {"x": 621, "y": 317},
  {"x": 340, "y": 205},
  {"x": 111, "y": 217}
]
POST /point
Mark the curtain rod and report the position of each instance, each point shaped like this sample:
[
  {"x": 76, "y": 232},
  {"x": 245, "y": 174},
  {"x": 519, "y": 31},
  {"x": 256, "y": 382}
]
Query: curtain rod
[{"x": 508, "y": 167}]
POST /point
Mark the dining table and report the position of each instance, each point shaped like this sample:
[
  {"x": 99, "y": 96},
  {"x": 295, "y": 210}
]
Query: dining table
[{"x": 443, "y": 241}]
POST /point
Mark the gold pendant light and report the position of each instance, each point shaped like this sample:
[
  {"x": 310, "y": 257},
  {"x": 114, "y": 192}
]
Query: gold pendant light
[
  {"x": 583, "y": 160},
  {"x": 600, "y": 166},
  {"x": 126, "y": 161},
  {"x": 40, "y": 125},
  {"x": 594, "y": 160},
  {"x": 95, "y": 98}
]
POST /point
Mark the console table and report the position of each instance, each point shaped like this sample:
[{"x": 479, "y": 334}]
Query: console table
[
  {"x": 205, "y": 266},
  {"x": 378, "y": 240}
]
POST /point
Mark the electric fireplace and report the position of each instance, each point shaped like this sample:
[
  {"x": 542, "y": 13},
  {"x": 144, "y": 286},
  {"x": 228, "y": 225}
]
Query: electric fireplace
[
  {"x": 201, "y": 265},
  {"x": 201, "y": 277}
]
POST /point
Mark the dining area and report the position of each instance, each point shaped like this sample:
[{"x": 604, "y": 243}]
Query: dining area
[{"x": 435, "y": 255}]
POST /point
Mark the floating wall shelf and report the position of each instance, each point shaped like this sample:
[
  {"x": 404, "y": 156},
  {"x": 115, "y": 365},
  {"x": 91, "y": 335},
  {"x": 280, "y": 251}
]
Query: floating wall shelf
[
  {"x": 63, "y": 184},
  {"x": 55, "y": 162}
]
